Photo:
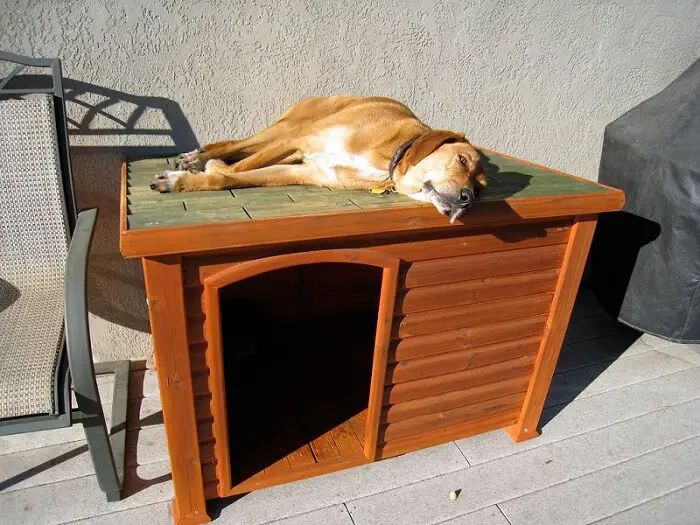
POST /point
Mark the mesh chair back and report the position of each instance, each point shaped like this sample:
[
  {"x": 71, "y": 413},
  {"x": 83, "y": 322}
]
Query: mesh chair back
[{"x": 34, "y": 235}]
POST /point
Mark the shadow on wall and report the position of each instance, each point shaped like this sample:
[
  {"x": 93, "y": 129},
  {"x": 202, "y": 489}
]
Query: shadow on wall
[{"x": 105, "y": 125}]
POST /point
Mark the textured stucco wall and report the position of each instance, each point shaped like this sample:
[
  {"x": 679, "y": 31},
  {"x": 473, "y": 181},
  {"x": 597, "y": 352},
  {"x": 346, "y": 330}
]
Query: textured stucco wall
[{"x": 534, "y": 78}]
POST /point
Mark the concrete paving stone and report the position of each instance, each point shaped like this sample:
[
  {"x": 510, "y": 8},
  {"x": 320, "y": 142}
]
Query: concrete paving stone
[
  {"x": 303, "y": 496},
  {"x": 520, "y": 474},
  {"x": 624, "y": 385},
  {"x": 146, "y": 445},
  {"x": 335, "y": 515},
  {"x": 45, "y": 465},
  {"x": 690, "y": 353},
  {"x": 604, "y": 377},
  {"x": 45, "y": 438},
  {"x": 141, "y": 382},
  {"x": 679, "y": 507},
  {"x": 654, "y": 341},
  {"x": 624, "y": 344},
  {"x": 81, "y": 498},
  {"x": 105, "y": 387},
  {"x": 72, "y": 460},
  {"x": 589, "y": 413},
  {"x": 590, "y": 328},
  {"x": 603, "y": 493},
  {"x": 155, "y": 514},
  {"x": 144, "y": 412},
  {"x": 584, "y": 353},
  {"x": 488, "y": 516}
]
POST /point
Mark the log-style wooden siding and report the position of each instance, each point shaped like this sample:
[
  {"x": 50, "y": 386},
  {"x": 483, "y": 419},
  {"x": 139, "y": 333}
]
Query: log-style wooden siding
[
  {"x": 466, "y": 338},
  {"x": 494, "y": 264},
  {"x": 463, "y": 316},
  {"x": 463, "y": 347},
  {"x": 447, "y": 381},
  {"x": 475, "y": 291},
  {"x": 446, "y": 418}
]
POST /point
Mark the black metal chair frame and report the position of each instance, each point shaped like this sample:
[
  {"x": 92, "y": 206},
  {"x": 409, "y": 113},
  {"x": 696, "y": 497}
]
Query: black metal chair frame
[{"x": 75, "y": 369}]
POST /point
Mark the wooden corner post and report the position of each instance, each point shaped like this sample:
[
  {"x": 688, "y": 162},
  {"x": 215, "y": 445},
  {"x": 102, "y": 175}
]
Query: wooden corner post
[
  {"x": 562, "y": 304},
  {"x": 166, "y": 306}
]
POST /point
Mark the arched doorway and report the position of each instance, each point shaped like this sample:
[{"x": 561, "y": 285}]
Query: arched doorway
[{"x": 299, "y": 347}]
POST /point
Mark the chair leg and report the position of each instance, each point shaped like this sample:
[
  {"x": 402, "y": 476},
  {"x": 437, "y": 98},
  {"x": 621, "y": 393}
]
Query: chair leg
[
  {"x": 110, "y": 473},
  {"x": 107, "y": 454},
  {"x": 120, "y": 397}
]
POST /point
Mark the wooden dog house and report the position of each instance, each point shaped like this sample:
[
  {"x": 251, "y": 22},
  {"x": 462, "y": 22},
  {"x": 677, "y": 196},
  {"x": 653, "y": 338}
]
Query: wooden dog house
[{"x": 299, "y": 331}]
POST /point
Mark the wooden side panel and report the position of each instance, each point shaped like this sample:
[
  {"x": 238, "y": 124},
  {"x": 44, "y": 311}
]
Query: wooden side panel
[
  {"x": 563, "y": 303},
  {"x": 198, "y": 358},
  {"x": 441, "y": 419},
  {"x": 449, "y": 381},
  {"x": 481, "y": 241},
  {"x": 205, "y": 430},
  {"x": 464, "y": 338},
  {"x": 455, "y": 317},
  {"x": 474, "y": 292},
  {"x": 167, "y": 315},
  {"x": 459, "y": 360},
  {"x": 437, "y": 436},
  {"x": 195, "y": 331},
  {"x": 454, "y": 399},
  {"x": 495, "y": 264},
  {"x": 201, "y": 377},
  {"x": 467, "y": 331},
  {"x": 409, "y": 246}
]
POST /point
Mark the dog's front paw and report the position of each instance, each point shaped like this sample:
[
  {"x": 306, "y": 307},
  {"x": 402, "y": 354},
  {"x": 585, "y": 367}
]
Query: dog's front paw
[
  {"x": 191, "y": 161},
  {"x": 167, "y": 181}
]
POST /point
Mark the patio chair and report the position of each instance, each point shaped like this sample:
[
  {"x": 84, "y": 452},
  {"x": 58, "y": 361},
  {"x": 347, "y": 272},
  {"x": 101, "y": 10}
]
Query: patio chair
[{"x": 45, "y": 350}]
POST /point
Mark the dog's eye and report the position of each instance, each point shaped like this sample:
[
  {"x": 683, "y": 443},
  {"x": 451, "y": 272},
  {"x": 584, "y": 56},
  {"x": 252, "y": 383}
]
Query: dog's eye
[{"x": 463, "y": 160}]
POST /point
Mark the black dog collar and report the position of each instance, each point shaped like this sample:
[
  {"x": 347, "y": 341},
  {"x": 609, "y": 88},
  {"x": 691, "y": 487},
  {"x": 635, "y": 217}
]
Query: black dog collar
[{"x": 398, "y": 155}]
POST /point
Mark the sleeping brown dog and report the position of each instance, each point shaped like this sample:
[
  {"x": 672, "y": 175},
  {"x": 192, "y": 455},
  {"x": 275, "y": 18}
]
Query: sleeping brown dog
[{"x": 341, "y": 142}]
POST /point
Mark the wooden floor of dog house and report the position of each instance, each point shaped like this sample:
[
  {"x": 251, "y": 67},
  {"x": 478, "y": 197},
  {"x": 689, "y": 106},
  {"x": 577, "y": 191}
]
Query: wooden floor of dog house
[{"x": 337, "y": 449}]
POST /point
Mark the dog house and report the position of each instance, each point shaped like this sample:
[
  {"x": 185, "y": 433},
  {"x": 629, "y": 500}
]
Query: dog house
[{"x": 298, "y": 331}]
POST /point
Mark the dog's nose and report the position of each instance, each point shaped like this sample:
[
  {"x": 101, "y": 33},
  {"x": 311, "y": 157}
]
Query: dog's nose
[
  {"x": 153, "y": 186},
  {"x": 466, "y": 196}
]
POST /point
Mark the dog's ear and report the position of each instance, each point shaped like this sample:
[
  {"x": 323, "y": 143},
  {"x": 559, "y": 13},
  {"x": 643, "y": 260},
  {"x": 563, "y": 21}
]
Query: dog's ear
[{"x": 425, "y": 145}]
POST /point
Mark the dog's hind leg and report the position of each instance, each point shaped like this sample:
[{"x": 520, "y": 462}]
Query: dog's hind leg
[
  {"x": 219, "y": 177},
  {"x": 234, "y": 150},
  {"x": 282, "y": 151}
]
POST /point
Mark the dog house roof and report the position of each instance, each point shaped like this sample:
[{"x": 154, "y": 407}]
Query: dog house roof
[{"x": 515, "y": 186}]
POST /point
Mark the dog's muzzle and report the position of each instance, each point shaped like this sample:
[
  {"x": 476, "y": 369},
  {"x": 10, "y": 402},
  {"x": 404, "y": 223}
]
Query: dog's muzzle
[{"x": 466, "y": 199}]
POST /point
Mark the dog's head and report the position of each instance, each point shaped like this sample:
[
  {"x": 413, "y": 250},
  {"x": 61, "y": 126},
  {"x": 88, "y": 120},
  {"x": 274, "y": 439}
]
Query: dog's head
[{"x": 443, "y": 168}]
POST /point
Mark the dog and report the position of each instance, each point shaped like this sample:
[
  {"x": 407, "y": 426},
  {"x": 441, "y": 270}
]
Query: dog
[{"x": 344, "y": 141}]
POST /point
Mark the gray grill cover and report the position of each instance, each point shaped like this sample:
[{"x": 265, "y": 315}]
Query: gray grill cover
[{"x": 646, "y": 259}]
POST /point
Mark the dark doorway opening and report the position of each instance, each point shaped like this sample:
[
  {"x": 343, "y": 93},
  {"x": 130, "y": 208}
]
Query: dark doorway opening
[{"x": 298, "y": 346}]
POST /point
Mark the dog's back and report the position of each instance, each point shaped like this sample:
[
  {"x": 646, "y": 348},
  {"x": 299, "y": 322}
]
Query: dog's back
[{"x": 370, "y": 124}]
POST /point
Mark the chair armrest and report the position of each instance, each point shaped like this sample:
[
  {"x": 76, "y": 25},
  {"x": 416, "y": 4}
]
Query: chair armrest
[{"x": 77, "y": 328}]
